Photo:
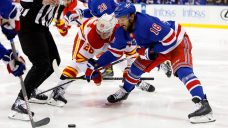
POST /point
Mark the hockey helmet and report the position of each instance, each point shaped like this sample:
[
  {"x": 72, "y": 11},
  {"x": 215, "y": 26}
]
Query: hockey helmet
[
  {"x": 124, "y": 8},
  {"x": 105, "y": 25}
]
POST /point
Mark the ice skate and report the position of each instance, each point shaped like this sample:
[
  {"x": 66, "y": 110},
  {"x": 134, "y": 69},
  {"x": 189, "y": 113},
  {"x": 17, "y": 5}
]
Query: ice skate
[
  {"x": 19, "y": 110},
  {"x": 145, "y": 86},
  {"x": 40, "y": 99},
  {"x": 57, "y": 98},
  {"x": 120, "y": 95},
  {"x": 108, "y": 72},
  {"x": 203, "y": 113},
  {"x": 166, "y": 67}
]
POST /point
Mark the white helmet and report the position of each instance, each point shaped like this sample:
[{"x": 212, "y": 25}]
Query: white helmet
[{"x": 105, "y": 25}]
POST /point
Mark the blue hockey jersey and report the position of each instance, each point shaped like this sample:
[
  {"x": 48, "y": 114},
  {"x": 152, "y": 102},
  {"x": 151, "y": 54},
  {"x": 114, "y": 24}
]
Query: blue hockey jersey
[
  {"x": 5, "y": 8},
  {"x": 99, "y": 7},
  {"x": 149, "y": 31}
]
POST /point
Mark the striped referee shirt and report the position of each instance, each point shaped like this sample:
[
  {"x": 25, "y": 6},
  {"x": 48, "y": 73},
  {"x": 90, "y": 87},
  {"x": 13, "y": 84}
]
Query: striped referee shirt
[{"x": 35, "y": 11}]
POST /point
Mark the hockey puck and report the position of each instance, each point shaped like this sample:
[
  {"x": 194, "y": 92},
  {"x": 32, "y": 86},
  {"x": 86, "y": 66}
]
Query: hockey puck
[{"x": 71, "y": 126}]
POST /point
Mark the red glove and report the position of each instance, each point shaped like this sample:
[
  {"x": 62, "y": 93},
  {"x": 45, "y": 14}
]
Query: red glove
[
  {"x": 62, "y": 27},
  {"x": 93, "y": 74}
]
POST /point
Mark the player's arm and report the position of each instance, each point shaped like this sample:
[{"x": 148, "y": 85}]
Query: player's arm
[
  {"x": 115, "y": 51},
  {"x": 6, "y": 8},
  {"x": 87, "y": 13},
  {"x": 164, "y": 36},
  {"x": 26, "y": 4}
]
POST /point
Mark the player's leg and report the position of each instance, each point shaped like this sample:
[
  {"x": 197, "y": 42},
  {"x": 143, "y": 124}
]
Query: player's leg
[
  {"x": 53, "y": 54},
  {"x": 57, "y": 97},
  {"x": 34, "y": 45},
  {"x": 130, "y": 50},
  {"x": 78, "y": 64},
  {"x": 139, "y": 67},
  {"x": 183, "y": 69}
]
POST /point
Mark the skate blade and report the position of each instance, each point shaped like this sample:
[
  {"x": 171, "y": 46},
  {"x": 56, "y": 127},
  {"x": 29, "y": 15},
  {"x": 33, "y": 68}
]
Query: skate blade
[
  {"x": 36, "y": 101},
  {"x": 18, "y": 116},
  {"x": 52, "y": 102},
  {"x": 203, "y": 119},
  {"x": 110, "y": 104}
]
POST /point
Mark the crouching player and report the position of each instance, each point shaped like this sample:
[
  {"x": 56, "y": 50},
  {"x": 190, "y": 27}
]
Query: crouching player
[
  {"x": 159, "y": 41},
  {"x": 93, "y": 38}
]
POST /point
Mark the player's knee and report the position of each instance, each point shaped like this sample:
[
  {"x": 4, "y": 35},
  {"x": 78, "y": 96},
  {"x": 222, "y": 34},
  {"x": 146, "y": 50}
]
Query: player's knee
[
  {"x": 185, "y": 73},
  {"x": 43, "y": 67},
  {"x": 136, "y": 70},
  {"x": 69, "y": 72}
]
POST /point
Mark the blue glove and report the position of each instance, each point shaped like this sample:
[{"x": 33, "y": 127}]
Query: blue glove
[
  {"x": 10, "y": 24},
  {"x": 91, "y": 72},
  {"x": 9, "y": 32},
  {"x": 14, "y": 66},
  {"x": 73, "y": 17}
]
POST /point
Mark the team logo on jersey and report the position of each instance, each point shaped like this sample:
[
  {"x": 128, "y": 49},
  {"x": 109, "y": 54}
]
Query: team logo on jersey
[
  {"x": 102, "y": 7},
  {"x": 155, "y": 28},
  {"x": 132, "y": 42},
  {"x": 224, "y": 14}
]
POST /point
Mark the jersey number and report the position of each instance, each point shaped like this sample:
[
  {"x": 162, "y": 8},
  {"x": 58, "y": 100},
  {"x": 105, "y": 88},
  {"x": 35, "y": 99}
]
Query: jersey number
[
  {"x": 102, "y": 7},
  {"x": 89, "y": 49},
  {"x": 155, "y": 28}
]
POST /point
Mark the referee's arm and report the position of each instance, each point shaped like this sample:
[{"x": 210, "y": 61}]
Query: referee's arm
[{"x": 26, "y": 4}]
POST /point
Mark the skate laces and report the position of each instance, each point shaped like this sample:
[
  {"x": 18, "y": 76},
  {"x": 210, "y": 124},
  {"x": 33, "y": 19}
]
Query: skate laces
[
  {"x": 59, "y": 92},
  {"x": 165, "y": 67},
  {"x": 144, "y": 86},
  {"x": 39, "y": 96},
  {"x": 20, "y": 102},
  {"x": 119, "y": 94}
]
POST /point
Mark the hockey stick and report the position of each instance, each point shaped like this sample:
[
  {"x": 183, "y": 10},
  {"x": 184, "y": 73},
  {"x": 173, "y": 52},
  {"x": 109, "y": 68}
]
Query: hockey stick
[
  {"x": 111, "y": 78},
  {"x": 58, "y": 73},
  {"x": 33, "y": 123}
]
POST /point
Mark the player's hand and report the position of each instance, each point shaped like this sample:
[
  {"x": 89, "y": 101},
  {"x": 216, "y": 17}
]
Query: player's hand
[
  {"x": 62, "y": 27},
  {"x": 147, "y": 53},
  {"x": 8, "y": 31},
  {"x": 72, "y": 17},
  {"x": 16, "y": 66},
  {"x": 50, "y": 2},
  {"x": 10, "y": 24},
  {"x": 91, "y": 72}
]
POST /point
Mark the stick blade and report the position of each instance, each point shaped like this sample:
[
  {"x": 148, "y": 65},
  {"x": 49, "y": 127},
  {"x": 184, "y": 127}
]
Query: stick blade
[{"x": 42, "y": 122}]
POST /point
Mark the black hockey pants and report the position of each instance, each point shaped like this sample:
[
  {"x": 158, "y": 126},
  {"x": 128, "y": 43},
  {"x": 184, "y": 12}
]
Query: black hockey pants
[{"x": 41, "y": 50}]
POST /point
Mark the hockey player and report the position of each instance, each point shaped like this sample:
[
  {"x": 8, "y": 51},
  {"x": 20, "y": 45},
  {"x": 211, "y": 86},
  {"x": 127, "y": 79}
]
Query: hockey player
[
  {"x": 93, "y": 38},
  {"x": 10, "y": 26},
  {"x": 159, "y": 41},
  {"x": 97, "y": 8}
]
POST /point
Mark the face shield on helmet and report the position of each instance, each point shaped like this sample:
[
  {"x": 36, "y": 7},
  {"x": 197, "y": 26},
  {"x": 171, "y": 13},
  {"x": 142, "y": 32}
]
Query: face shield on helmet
[{"x": 105, "y": 25}]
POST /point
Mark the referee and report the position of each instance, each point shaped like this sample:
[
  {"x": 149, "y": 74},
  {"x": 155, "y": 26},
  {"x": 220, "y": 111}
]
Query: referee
[{"x": 39, "y": 46}]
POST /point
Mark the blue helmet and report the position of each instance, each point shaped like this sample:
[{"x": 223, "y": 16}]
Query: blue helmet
[{"x": 124, "y": 8}]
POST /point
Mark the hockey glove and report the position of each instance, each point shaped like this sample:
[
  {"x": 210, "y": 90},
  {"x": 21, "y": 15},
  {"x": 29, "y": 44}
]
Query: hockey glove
[
  {"x": 91, "y": 72},
  {"x": 8, "y": 31},
  {"x": 62, "y": 27},
  {"x": 14, "y": 66},
  {"x": 147, "y": 53},
  {"x": 72, "y": 17},
  {"x": 10, "y": 25}
]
